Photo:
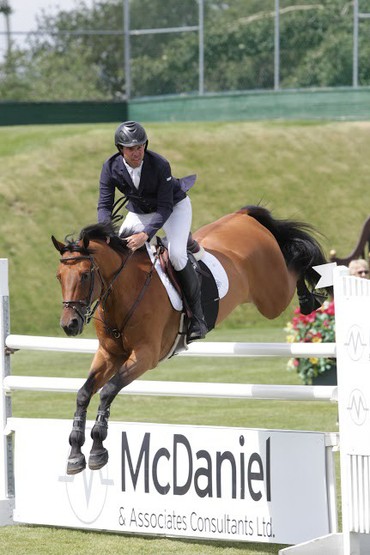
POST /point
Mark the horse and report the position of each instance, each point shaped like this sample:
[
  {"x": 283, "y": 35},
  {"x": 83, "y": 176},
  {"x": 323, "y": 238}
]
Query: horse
[{"x": 265, "y": 260}]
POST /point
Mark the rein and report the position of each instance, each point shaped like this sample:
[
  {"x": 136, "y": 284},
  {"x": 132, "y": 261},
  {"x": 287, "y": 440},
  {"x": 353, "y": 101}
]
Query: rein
[
  {"x": 91, "y": 310},
  {"x": 118, "y": 333}
]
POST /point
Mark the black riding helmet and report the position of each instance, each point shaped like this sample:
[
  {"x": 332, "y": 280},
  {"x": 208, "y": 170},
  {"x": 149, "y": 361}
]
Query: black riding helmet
[{"x": 130, "y": 133}]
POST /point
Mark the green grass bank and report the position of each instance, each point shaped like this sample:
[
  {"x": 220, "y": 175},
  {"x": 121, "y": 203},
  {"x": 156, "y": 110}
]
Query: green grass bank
[{"x": 315, "y": 172}]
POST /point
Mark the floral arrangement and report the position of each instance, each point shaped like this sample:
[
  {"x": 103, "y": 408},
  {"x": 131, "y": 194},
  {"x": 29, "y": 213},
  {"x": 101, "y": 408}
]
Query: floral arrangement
[{"x": 316, "y": 327}]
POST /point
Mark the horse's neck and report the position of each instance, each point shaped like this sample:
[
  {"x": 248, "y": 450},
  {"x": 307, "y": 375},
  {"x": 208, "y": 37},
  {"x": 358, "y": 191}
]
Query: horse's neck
[{"x": 125, "y": 273}]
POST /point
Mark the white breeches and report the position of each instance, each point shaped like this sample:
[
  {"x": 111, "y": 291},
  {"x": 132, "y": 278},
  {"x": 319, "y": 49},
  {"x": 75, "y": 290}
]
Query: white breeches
[{"x": 176, "y": 228}]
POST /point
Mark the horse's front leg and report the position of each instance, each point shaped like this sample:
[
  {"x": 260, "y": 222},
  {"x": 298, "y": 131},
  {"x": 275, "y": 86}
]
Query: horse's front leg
[
  {"x": 138, "y": 363},
  {"x": 102, "y": 368},
  {"x": 76, "y": 460}
]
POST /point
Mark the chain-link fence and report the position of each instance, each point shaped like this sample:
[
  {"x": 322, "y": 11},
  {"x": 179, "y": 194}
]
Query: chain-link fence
[{"x": 137, "y": 48}]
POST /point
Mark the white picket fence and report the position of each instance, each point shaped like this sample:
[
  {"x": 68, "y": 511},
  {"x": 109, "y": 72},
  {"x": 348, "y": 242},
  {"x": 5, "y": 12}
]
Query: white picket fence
[{"x": 353, "y": 354}]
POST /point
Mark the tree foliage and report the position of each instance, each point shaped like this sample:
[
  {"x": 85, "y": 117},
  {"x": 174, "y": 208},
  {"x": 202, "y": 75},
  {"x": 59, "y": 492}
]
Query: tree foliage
[{"x": 79, "y": 55}]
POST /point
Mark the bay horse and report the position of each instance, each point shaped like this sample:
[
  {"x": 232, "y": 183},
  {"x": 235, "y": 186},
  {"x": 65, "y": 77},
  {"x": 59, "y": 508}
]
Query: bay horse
[{"x": 265, "y": 260}]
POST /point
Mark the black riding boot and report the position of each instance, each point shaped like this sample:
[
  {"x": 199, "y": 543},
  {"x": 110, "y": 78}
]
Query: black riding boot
[{"x": 190, "y": 285}]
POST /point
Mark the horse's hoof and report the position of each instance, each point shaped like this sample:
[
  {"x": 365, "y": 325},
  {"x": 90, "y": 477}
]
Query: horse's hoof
[
  {"x": 98, "y": 460},
  {"x": 76, "y": 464}
]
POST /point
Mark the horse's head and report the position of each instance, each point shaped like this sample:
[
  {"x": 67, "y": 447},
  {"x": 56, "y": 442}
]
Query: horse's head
[{"x": 81, "y": 283}]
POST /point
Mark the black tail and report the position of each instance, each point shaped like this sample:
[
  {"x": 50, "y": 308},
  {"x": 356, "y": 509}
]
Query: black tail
[{"x": 300, "y": 249}]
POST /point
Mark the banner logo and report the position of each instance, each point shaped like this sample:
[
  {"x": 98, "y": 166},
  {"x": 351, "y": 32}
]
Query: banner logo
[
  {"x": 87, "y": 492},
  {"x": 357, "y": 407},
  {"x": 355, "y": 343}
]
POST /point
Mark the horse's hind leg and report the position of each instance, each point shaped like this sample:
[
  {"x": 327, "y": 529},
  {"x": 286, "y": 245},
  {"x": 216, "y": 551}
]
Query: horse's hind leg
[
  {"x": 76, "y": 460},
  {"x": 308, "y": 301}
]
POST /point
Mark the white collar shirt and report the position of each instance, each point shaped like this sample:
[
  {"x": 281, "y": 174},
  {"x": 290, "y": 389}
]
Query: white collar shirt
[{"x": 135, "y": 173}]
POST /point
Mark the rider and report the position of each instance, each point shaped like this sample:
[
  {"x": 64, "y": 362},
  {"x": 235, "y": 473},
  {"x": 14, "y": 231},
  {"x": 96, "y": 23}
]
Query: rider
[{"x": 155, "y": 200}]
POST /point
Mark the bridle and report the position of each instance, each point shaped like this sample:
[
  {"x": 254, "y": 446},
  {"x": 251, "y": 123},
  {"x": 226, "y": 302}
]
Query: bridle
[{"x": 84, "y": 307}]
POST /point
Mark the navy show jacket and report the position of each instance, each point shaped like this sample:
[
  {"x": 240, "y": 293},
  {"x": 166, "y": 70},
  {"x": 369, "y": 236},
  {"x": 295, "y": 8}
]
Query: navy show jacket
[{"x": 157, "y": 194}]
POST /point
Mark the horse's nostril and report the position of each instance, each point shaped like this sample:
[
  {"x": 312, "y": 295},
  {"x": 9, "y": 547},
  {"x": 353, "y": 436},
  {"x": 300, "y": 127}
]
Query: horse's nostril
[{"x": 72, "y": 328}]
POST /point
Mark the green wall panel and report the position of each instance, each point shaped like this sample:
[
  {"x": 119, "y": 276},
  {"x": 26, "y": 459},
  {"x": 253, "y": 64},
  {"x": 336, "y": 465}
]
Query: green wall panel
[
  {"x": 346, "y": 104},
  {"x": 24, "y": 113},
  {"x": 323, "y": 104}
]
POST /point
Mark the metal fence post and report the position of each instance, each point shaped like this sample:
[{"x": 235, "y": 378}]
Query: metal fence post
[
  {"x": 355, "y": 45},
  {"x": 277, "y": 46}
]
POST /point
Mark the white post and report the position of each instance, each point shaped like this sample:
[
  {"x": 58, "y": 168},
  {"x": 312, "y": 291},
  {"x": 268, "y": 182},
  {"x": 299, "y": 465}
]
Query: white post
[
  {"x": 352, "y": 309},
  {"x": 352, "y": 330},
  {"x": 6, "y": 452}
]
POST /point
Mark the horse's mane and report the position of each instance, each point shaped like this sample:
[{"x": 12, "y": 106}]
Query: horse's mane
[{"x": 106, "y": 232}]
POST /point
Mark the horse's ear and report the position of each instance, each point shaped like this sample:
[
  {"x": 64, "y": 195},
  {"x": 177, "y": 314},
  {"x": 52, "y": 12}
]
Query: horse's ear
[
  {"x": 57, "y": 244},
  {"x": 85, "y": 241}
]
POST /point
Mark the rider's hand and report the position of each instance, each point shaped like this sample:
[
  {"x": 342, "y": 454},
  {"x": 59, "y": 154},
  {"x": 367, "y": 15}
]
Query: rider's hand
[{"x": 137, "y": 240}]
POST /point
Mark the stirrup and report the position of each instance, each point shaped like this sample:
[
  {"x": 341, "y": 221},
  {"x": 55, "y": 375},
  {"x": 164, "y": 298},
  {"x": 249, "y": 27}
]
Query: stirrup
[{"x": 199, "y": 330}]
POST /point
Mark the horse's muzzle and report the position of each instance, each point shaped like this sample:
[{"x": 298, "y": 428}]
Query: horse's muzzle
[{"x": 71, "y": 322}]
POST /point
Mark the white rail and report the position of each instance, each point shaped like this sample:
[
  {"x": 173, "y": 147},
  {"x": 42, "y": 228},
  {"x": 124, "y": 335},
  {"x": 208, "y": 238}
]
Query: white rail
[
  {"x": 219, "y": 349},
  {"x": 181, "y": 389}
]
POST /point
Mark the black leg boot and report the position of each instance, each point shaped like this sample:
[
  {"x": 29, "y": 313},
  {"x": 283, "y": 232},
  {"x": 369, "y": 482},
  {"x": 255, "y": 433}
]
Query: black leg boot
[
  {"x": 190, "y": 285},
  {"x": 308, "y": 302}
]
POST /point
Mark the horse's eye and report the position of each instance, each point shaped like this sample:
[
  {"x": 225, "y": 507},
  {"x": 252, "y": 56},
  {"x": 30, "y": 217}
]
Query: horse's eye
[{"x": 85, "y": 276}]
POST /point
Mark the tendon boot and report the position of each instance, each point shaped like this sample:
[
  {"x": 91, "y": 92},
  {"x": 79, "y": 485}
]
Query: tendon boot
[
  {"x": 190, "y": 285},
  {"x": 308, "y": 301}
]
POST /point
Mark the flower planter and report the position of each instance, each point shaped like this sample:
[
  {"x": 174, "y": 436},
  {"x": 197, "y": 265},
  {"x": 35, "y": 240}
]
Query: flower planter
[
  {"x": 317, "y": 327},
  {"x": 327, "y": 378}
]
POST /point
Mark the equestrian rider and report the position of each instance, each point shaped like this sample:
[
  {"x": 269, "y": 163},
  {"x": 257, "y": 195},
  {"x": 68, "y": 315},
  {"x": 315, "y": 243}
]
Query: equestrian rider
[{"x": 155, "y": 200}]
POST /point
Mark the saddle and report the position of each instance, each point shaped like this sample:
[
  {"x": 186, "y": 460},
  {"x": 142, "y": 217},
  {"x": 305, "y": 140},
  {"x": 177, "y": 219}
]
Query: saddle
[
  {"x": 195, "y": 252},
  {"x": 209, "y": 290}
]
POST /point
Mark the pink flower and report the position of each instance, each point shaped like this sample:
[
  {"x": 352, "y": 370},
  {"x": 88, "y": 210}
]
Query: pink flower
[{"x": 330, "y": 310}]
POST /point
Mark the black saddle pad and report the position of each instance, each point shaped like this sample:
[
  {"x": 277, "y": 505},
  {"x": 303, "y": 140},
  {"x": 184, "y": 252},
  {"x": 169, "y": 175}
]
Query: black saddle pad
[
  {"x": 210, "y": 298},
  {"x": 209, "y": 291}
]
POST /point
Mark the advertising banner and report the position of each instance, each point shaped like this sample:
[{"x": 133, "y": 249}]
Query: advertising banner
[{"x": 188, "y": 481}]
